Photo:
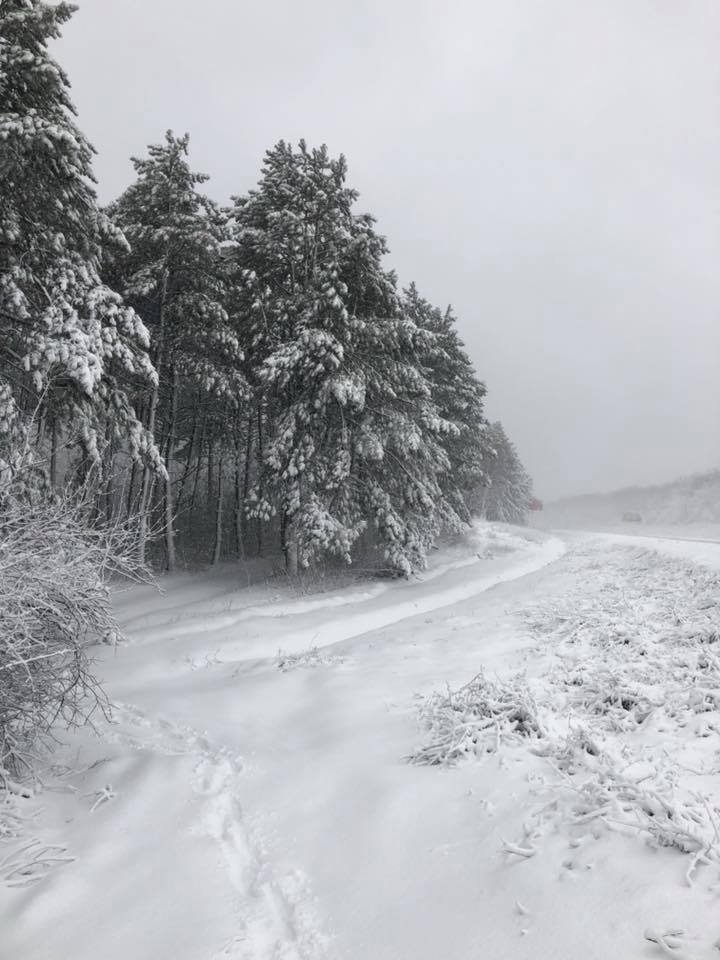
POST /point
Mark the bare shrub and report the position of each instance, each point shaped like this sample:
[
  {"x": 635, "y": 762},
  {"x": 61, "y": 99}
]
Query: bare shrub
[{"x": 55, "y": 571}]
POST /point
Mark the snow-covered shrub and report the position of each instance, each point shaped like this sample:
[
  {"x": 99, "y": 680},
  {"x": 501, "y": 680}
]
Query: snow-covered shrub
[
  {"x": 55, "y": 567},
  {"x": 652, "y": 806},
  {"x": 604, "y": 692},
  {"x": 571, "y": 754},
  {"x": 476, "y": 718}
]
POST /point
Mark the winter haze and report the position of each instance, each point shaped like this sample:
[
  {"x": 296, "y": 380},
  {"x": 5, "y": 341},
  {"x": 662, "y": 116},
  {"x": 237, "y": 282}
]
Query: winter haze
[
  {"x": 550, "y": 168},
  {"x": 296, "y": 662}
]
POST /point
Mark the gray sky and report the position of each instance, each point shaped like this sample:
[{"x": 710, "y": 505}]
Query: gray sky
[{"x": 551, "y": 167}]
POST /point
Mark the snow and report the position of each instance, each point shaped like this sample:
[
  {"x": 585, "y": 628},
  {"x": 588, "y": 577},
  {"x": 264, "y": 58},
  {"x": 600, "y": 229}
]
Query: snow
[
  {"x": 250, "y": 804},
  {"x": 701, "y": 546}
]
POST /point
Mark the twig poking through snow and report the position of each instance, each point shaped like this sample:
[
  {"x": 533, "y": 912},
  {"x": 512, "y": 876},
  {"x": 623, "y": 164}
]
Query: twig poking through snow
[
  {"x": 669, "y": 942},
  {"x": 102, "y": 796},
  {"x": 29, "y": 863}
]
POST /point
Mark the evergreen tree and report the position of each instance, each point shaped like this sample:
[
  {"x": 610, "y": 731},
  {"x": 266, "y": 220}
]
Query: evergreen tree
[
  {"x": 175, "y": 278},
  {"x": 69, "y": 348},
  {"x": 459, "y": 397},
  {"x": 351, "y": 429},
  {"x": 507, "y": 497}
]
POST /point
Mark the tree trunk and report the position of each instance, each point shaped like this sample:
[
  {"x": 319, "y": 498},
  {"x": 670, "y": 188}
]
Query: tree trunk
[
  {"x": 218, "y": 516},
  {"x": 238, "y": 502},
  {"x": 169, "y": 506},
  {"x": 191, "y": 450},
  {"x": 288, "y": 544},
  {"x": 109, "y": 473},
  {"x": 196, "y": 478},
  {"x": 291, "y": 560},
  {"x": 146, "y": 485},
  {"x": 210, "y": 470},
  {"x": 53, "y": 455},
  {"x": 259, "y": 459},
  {"x": 241, "y": 495},
  {"x": 131, "y": 490},
  {"x": 154, "y": 398}
]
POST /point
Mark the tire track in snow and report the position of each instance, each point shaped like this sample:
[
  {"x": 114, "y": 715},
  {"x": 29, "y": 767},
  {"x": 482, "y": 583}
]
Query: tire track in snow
[
  {"x": 360, "y": 621},
  {"x": 273, "y": 912},
  {"x": 379, "y": 604},
  {"x": 275, "y": 917},
  {"x": 358, "y": 618}
]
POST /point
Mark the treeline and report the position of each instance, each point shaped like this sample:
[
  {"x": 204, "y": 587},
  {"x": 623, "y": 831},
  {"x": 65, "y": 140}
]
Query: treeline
[{"x": 225, "y": 380}]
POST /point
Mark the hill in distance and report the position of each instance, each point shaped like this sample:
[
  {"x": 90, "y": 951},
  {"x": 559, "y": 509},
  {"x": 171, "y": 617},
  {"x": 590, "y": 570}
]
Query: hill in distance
[{"x": 690, "y": 501}]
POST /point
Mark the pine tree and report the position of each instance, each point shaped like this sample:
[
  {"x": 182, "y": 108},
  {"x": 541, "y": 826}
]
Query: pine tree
[
  {"x": 70, "y": 350},
  {"x": 175, "y": 278},
  {"x": 291, "y": 234},
  {"x": 401, "y": 446},
  {"x": 352, "y": 432},
  {"x": 459, "y": 397},
  {"x": 507, "y": 497}
]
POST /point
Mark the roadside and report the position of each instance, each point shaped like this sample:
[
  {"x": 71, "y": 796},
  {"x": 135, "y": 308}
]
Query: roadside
[
  {"x": 268, "y": 808},
  {"x": 156, "y": 795}
]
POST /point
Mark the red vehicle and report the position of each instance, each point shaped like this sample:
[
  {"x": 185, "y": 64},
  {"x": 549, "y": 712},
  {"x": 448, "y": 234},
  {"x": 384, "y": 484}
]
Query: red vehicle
[{"x": 535, "y": 504}]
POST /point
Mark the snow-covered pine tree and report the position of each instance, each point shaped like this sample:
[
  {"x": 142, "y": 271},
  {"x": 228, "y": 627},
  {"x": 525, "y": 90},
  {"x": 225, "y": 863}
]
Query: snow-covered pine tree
[
  {"x": 459, "y": 397},
  {"x": 400, "y": 443},
  {"x": 290, "y": 235},
  {"x": 507, "y": 497},
  {"x": 69, "y": 347},
  {"x": 351, "y": 429},
  {"x": 176, "y": 279}
]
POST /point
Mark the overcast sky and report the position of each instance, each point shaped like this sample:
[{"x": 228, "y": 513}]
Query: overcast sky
[{"x": 551, "y": 167}]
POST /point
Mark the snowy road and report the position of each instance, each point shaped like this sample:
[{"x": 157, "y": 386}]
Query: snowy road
[{"x": 255, "y": 806}]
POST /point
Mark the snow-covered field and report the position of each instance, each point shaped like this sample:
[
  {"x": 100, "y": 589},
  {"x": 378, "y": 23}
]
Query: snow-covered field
[{"x": 515, "y": 755}]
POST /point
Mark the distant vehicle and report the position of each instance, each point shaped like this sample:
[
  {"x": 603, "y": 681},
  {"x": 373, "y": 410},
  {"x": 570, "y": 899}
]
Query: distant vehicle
[
  {"x": 630, "y": 516},
  {"x": 535, "y": 504}
]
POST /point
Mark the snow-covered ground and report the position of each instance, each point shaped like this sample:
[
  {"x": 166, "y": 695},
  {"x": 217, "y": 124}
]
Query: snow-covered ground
[
  {"x": 308, "y": 777},
  {"x": 665, "y": 531}
]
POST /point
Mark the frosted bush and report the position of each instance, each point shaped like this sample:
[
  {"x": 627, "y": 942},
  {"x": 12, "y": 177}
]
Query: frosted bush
[
  {"x": 476, "y": 718},
  {"x": 55, "y": 568},
  {"x": 606, "y": 693},
  {"x": 654, "y": 808}
]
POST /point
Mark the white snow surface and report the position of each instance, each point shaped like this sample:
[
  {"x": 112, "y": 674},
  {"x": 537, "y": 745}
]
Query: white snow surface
[{"x": 260, "y": 793}]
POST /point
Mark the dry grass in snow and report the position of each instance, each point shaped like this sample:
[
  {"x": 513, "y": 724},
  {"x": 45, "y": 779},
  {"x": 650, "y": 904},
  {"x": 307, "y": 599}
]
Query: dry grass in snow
[
  {"x": 625, "y": 711},
  {"x": 313, "y": 657},
  {"x": 475, "y": 719}
]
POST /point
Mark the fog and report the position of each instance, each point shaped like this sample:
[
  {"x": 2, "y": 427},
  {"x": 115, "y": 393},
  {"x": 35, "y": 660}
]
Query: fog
[{"x": 550, "y": 167}]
